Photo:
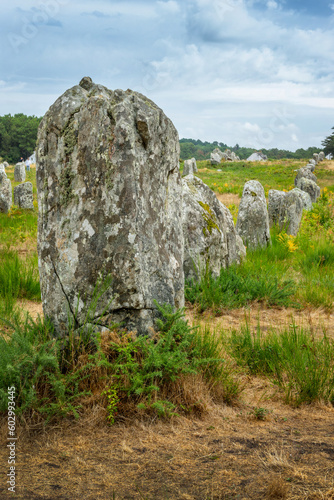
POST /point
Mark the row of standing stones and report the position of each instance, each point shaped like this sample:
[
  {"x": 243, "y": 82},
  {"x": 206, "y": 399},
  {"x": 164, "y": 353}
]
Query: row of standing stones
[
  {"x": 112, "y": 204},
  {"x": 284, "y": 208},
  {"x": 23, "y": 193}
]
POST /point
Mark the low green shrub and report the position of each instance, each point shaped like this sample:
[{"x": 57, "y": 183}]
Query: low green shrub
[{"x": 53, "y": 376}]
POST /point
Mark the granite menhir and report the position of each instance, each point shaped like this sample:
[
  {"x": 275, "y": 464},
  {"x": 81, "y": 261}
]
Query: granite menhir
[{"x": 110, "y": 201}]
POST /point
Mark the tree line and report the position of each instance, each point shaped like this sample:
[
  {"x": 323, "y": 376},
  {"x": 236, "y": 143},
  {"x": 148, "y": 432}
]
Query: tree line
[
  {"x": 191, "y": 148},
  {"x": 18, "y": 136}
]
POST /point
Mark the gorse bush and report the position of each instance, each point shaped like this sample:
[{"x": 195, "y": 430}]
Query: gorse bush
[
  {"x": 53, "y": 377},
  {"x": 302, "y": 366}
]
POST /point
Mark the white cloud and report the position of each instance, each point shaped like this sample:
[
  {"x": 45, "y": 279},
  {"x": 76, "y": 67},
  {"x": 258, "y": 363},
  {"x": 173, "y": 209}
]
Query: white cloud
[
  {"x": 217, "y": 67},
  {"x": 272, "y": 4}
]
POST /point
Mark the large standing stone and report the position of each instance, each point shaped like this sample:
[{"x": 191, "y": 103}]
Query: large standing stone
[
  {"x": 23, "y": 196},
  {"x": 210, "y": 237},
  {"x": 189, "y": 167},
  {"x": 253, "y": 221},
  {"x": 311, "y": 188},
  {"x": 6, "y": 198},
  {"x": 306, "y": 173},
  {"x": 109, "y": 192},
  {"x": 20, "y": 172},
  {"x": 316, "y": 157},
  {"x": 321, "y": 156}
]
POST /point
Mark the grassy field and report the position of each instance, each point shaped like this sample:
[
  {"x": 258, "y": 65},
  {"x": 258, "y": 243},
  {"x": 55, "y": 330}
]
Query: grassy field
[{"x": 236, "y": 403}]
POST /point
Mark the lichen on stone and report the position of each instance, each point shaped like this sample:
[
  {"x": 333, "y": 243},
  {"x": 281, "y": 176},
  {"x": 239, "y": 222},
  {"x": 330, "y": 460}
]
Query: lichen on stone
[{"x": 65, "y": 185}]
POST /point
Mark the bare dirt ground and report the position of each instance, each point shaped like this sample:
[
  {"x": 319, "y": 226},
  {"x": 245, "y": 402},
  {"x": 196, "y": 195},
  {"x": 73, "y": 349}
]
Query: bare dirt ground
[
  {"x": 228, "y": 198},
  {"x": 226, "y": 455},
  {"x": 315, "y": 320}
]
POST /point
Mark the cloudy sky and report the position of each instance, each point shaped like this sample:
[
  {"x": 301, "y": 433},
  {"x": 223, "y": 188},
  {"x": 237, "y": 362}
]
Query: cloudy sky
[{"x": 259, "y": 73}]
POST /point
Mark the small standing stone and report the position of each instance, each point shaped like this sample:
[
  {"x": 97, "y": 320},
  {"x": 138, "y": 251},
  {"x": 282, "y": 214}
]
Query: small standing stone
[
  {"x": 275, "y": 203},
  {"x": 210, "y": 238},
  {"x": 190, "y": 167},
  {"x": 306, "y": 173},
  {"x": 307, "y": 202},
  {"x": 291, "y": 213},
  {"x": 316, "y": 157},
  {"x": 23, "y": 196},
  {"x": 6, "y": 164},
  {"x": 311, "y": 188},
  {"x": 20, "y": 172},
  {"x": 6, "y": 199},
  {"x": 321, "y": 156},
  {"x": 253, "y": 221}
]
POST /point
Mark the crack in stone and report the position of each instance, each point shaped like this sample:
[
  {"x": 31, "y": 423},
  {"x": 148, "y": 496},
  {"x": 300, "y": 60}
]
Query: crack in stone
[{"x": 77, "y": 325}]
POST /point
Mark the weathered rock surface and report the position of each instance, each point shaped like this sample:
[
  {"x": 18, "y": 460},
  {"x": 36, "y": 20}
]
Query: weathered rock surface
[
  {"x": 311, "y": 166},
  {"x": 253, "y": 221},
  {"x": 291, "y": 212},
  {"x": 190, "y": 166},
  {"x": 310, "y": 187},
  {"x": 2, "y": 168},
  {"x": 6, "y": 197},
  {"x": 6, "y": 164},
  {"x": 321, "y": 156},
  {"x": 275, "y": 205},
  {"x": 257, "y": 157},
  {"x": 305, "y": 173},
  {"x": 109, "y": 192},
  {"x": 210, "y": 237},
  {"x": 23, "y": 195},
  {"x": 216, "y": 156},
  {"x": 20, "y": 172},
  {"x": 286, "y": 209},
  {"x": 316, "y": 157},
  {"x": 307, "y": 202}
]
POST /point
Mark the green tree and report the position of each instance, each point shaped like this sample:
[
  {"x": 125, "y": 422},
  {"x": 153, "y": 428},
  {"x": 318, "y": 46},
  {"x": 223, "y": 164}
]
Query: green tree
[
  {"x": 18, "y": 136},
  {"x": 328, "y": 144}
]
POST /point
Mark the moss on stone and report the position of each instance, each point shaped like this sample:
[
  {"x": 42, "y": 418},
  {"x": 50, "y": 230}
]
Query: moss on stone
[{"x": 209, "y": 218}]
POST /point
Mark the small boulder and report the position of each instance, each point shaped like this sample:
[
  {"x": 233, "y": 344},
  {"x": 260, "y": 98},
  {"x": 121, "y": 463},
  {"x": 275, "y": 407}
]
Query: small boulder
[
  {"x": 20, "y": 172},
  {"x": 23, "y": 196},
  {"x": 190, "y": 167},
  {"x": 306, "y": 173},
  {"x": 210, "y": 238},
  {"x": 253, "y": 221},
  {"x": 310, "y": 187},
  {"x": 6, "y": 198}
]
